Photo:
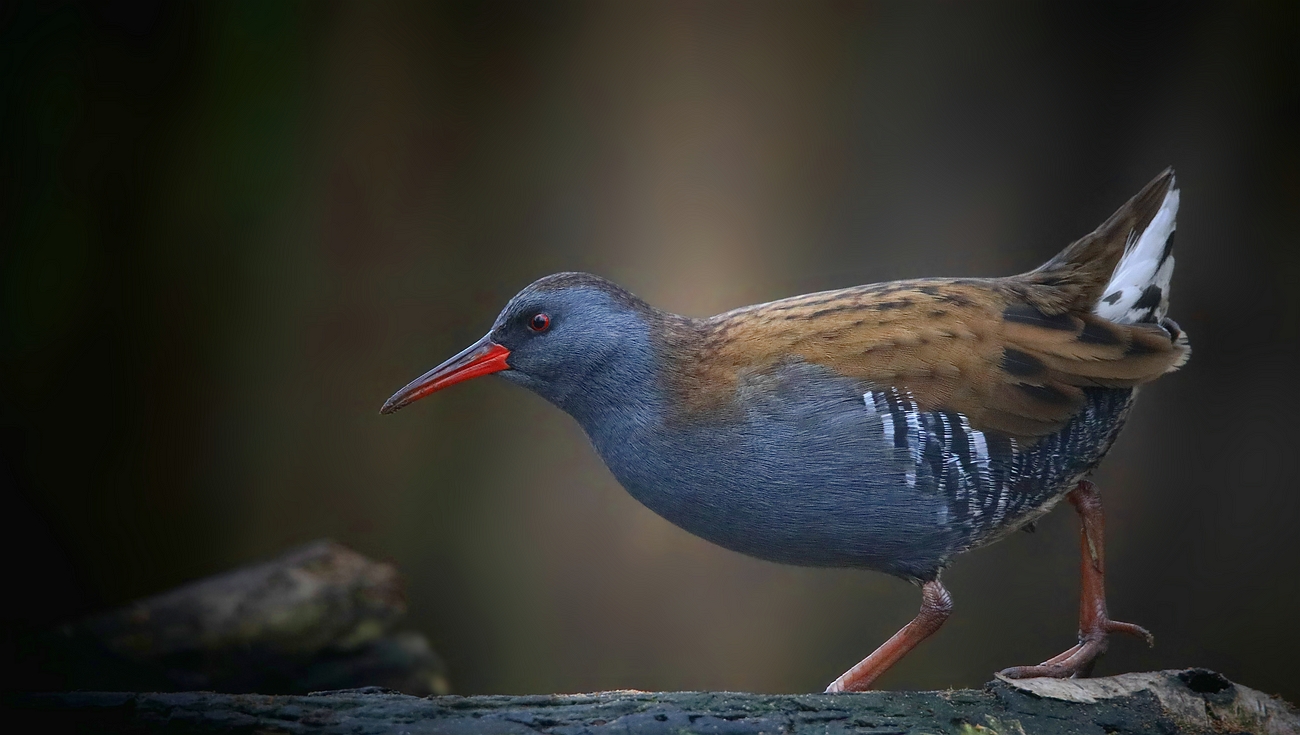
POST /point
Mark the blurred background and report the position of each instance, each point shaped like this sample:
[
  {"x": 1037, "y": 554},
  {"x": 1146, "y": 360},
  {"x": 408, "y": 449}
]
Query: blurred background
[{"x": 230, "y": 230}]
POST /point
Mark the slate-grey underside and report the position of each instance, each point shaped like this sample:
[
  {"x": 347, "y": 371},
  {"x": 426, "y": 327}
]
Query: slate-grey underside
[{"x": 821, "y": 471}]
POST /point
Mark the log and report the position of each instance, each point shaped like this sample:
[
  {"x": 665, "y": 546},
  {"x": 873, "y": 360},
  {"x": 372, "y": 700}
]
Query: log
[
  {"x": 318, "y": 617},
  {"x": 1168, "y": 702}
]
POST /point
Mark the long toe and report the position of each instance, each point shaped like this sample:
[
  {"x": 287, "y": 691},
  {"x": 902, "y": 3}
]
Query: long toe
[
  {"x": 1078, "y": 660},
  {"x": 1137, "y": 631}
]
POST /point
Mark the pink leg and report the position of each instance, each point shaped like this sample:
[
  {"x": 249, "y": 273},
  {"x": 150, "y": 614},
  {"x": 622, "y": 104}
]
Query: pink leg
[
  {"x": 1094, "y": 623},
  {"x": 936, "y": 605}
]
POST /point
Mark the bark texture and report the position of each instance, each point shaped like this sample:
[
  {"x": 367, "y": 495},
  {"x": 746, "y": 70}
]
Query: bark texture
[{"x": 1168, "y": 702}]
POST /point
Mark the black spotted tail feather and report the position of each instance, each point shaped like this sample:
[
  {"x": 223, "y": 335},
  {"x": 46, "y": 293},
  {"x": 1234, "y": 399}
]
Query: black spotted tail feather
[
  {"x": 1138, "y": 290},
  {"x": 1121, "y": 271},
  {"x": 1079, "y": 276},
  {"x": 1094, "y": 316}
]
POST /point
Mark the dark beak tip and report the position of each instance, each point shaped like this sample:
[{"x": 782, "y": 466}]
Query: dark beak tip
[
  {"x": 481, "y": 358},
  {"x": 392, "y": 405}
]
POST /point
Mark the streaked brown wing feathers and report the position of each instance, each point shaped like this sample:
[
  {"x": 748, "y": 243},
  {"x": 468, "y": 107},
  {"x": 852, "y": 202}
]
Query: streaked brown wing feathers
[{"x": 971, "y": 346}]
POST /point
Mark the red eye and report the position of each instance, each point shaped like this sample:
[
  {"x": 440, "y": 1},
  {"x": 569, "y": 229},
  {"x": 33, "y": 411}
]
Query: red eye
[{"x": 539, "y": 322}]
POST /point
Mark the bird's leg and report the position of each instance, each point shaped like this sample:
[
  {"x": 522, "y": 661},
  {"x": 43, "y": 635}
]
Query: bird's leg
[
  {"x": 936, "y": 606},
  {"x": 1094, "y": 624}
]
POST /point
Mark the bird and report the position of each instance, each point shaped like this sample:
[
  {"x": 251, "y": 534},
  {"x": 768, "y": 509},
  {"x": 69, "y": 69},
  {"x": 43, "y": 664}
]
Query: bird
[{"x": 887, "y": 427}]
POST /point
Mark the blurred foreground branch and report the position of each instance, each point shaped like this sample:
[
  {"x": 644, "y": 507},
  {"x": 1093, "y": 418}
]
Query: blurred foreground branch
[
  {"x": 318, "y": 617},
  {"x": 1169, "y": 702}
]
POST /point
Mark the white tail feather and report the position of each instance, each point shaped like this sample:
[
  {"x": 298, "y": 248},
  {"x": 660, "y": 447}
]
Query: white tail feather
[{"x": 1139, "y": 289}]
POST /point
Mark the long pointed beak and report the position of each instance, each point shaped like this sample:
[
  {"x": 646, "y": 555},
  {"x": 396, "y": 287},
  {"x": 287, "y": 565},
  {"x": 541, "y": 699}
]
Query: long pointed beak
[{"x": 484, "y": 357}]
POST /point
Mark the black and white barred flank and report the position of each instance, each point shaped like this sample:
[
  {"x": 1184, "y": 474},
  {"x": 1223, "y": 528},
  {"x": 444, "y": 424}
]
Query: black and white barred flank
[{"x": 992, "y": 483}]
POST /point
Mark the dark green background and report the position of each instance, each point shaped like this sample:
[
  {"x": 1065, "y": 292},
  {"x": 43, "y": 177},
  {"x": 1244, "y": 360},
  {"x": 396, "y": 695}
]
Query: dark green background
[{"x": 231, "y": 230}]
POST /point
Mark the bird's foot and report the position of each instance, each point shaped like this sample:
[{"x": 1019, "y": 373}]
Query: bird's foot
[{"x": 1078, "y": 660}]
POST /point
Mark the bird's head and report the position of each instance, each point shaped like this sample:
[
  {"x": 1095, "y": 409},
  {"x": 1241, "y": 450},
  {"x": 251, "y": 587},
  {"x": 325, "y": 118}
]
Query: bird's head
[{"x": 565, "y": 337}]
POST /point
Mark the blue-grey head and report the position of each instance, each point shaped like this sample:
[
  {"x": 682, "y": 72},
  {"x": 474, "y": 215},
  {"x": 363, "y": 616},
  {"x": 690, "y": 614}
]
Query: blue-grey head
[{"x": 578, "y": 340}]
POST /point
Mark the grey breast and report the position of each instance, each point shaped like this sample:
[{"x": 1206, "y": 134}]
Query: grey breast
[{"x": 816, "y": 470}]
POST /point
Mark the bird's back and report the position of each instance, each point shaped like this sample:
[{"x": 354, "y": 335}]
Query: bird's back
[{"x": 891, "y": 426}]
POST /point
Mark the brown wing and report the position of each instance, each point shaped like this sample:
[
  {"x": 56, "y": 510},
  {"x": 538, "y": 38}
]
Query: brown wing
[{"x": 972, "y": 346}]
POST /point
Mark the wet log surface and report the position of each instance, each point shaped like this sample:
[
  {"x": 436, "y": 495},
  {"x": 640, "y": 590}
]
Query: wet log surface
[{"x": 1193, "y": 701}]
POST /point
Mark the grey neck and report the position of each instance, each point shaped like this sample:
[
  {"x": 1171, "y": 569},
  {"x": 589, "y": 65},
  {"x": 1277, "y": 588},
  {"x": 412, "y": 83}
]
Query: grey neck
[{"x": 617, "y": 396}]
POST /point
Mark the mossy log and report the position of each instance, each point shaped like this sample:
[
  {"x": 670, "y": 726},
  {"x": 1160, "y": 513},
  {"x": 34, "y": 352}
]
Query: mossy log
[{"x": 1168, "y": 702}]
